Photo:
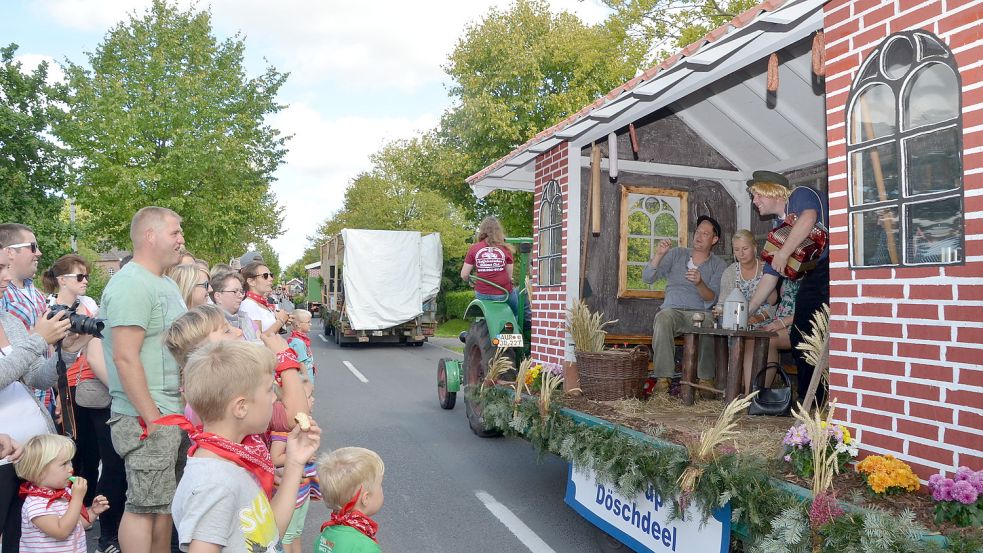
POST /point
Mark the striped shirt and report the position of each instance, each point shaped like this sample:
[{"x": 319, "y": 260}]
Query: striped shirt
[
  {"x": 310, "y": 486},
  {"x": 33, "y": 540},
  {"x": 27, "y": 304}
]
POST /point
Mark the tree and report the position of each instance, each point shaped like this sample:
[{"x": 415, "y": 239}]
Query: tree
[
  {"x": 166, "y": 116},
  {"x": 514, "y": 73},
  {"x": 32, "y": 168},
  {"x": 376, "y": 202},
  {"x": 668, "y": 24},
  {"x": 311, "y": 254},
  {"x": 270, "y": 257}
]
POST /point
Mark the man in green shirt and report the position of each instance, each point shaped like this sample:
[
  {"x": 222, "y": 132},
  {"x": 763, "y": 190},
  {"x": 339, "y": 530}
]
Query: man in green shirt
[{"x": 139, "y": 305}]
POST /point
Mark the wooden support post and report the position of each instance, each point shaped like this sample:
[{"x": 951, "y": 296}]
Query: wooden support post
[
  {"x": 690, "y": 342},
  {"x": 735, "y": 366},
  {"x": 595, "y": 189},
  {"x": 720, "y": 358}
]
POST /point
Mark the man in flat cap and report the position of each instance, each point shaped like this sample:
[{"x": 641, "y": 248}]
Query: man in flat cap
[{"x": 771, "y": 194}]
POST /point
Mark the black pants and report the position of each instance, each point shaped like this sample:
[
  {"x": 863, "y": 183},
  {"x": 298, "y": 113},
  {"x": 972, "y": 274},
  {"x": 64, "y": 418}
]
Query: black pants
[
  {"x": 10, "y": 505},
  {"x": 813, "y": 293},
  {"x": 94, "y": 445}
]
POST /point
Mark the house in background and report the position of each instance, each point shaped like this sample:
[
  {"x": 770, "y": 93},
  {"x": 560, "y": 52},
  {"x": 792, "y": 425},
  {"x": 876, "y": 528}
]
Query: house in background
[
  {"x": 110, "y": 261},
  {"x": 876, "y": 103}
]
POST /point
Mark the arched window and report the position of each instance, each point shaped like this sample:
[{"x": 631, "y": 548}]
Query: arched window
[
  {"x": 550, "y": 251},
  {"x": 904, "y": 155}
]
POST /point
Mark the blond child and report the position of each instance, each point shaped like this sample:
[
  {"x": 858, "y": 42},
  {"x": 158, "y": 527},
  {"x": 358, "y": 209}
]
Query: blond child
[
  {"x": 225, "y": 501},
  {"x": 351, "y": 482},
  {"x": 309, "y": 487},
  {"x": 53, "y": 519},
  {"x": 300, "y": 340}
]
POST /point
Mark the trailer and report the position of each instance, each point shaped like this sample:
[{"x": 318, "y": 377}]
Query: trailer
[{"x": 380, "y": 286}]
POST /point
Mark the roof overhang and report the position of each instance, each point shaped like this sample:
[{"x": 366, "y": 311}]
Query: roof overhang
[{"x": 684, "y": 83}]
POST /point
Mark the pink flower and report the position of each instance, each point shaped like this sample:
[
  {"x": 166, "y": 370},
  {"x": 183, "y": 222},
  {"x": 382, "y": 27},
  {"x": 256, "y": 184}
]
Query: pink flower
[
  {"x": 824, "y": 509},
  {"x": 964, "y": 492}
]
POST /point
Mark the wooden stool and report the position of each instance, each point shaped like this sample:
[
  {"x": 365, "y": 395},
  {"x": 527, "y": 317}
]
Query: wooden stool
[{"x": 729, "y": 353}]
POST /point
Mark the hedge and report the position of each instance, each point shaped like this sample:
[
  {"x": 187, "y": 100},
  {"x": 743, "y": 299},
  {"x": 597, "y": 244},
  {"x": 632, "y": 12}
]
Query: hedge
[{"x": 457, "y": 302}]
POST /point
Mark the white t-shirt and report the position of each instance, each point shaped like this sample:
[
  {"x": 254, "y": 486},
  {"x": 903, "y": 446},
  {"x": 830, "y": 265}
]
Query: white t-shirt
[
  {"x": 256, "y": 312},
  {"x": 33, "y": 540}
]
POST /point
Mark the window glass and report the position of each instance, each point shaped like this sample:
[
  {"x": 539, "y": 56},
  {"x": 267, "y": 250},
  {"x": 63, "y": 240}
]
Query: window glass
[
  {"x": 934, "y": 231},
  {"x": 873, "y": 114},
  {"x": 651, "y": 219},
  {"x": 898, "y": 57},
  {"x": 550, "y": 235},
  {"x": 875, "y": 237},
  {"x": 874, "y": 173},
  {"x": 931, "y": 97},
  {"x": 932, "y": 162}
]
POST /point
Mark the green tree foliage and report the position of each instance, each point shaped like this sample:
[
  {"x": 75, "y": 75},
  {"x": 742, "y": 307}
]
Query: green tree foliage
[
  {"x": 167, "y": 116},
  {"x": 311, "y": 255},
  {"x": 32, "y": 168},
  {"x": 270, "y": 257},
  {"x": 514, "y": 73},
  {"x": 376, "y": 202},
  {"x": 671, "y": 24}
]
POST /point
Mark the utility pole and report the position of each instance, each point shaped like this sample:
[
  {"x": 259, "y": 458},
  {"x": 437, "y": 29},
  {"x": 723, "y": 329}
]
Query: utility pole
[{"x": 71, "y": 219}]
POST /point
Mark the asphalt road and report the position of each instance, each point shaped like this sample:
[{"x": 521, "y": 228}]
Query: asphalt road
[{"x": 436, "y": 469}]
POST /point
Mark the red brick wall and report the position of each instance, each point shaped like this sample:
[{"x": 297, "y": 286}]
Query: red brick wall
[
  {"x": 907, "y": 344},
  {"x": 549, "y": 303}
]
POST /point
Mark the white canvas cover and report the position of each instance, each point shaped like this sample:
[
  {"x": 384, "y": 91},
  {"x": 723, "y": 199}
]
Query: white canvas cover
[
  {"x": 432, "y": 258},
  {"x": 383, "y": 274}
]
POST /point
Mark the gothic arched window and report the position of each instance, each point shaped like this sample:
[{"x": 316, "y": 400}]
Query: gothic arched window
[
  {"x": 904, "y": 155},
  {"x": 550, "y": 251}
]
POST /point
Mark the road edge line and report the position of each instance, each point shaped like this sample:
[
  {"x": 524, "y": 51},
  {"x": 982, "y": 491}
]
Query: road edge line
[
  {"x": 356, "y": 372},
  {"x": 533, "y": 543}
]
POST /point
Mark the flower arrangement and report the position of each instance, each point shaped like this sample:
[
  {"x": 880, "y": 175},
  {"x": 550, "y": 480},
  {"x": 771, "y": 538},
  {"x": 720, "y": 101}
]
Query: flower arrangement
[
  {"x": 532, "y": 378},
  {"x": 798, "y": 447},
  {"x": 958, "y": 499},
  {"x": 885, "y": 475}
]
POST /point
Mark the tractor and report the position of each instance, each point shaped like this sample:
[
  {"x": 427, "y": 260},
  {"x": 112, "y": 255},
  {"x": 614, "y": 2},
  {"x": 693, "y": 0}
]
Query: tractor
[{"x": 493, "y": 326}]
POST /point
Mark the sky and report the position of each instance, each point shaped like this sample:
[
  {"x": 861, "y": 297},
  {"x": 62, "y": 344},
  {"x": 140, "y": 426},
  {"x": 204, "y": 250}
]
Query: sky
[{"x": 361, "y": 74}]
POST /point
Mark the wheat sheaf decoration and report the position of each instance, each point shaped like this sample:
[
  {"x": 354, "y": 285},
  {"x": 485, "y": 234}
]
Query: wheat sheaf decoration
[
  {"x": 550, "y": 383},
  {"x": 815, "y": 350},
  {"x": 520, "y": 385},
  {"x": 704, "y": 450},
  {"x": 498, "y": 365},
  {"x": 586, "y": 328}
]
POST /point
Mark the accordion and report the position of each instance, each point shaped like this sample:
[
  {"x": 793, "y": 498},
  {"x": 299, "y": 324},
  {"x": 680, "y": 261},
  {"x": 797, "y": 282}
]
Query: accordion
[{"x": 806, "y": 254}]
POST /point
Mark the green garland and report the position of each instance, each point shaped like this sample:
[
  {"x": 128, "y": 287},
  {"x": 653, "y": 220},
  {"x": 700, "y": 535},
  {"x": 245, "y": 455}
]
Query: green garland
[{"x": 774, "y": 519}]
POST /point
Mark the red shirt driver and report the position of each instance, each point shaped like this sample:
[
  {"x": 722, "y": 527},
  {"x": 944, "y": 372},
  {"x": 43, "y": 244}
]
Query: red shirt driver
[{"x": 490, "y": 263}]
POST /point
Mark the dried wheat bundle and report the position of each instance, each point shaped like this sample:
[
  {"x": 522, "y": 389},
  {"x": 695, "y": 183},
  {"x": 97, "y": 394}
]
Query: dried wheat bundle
[
  {"x": 824, "y": 461},
  {"x": 816, "y": 344},
  {"x": 550, "y": 383},
  {"x": 702, "y": 451},
  {"x": 586, "y": 328},
  {"x": 498, "y": 365},
  {"x": 520, "y": 384}
]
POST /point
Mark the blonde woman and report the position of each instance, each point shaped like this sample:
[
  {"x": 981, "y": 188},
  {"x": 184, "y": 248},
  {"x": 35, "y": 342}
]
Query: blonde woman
[
  {"x": 192, "y": 280},
  {"x": 491, "y": 259}
]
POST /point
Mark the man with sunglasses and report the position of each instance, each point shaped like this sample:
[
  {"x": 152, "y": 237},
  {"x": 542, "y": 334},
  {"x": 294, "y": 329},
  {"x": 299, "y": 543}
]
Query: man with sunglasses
[{"x": 22, "y": 299}]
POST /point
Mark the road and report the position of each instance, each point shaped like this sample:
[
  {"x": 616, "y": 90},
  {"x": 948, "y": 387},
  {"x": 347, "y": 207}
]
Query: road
[{"x": 439, "y": 476}]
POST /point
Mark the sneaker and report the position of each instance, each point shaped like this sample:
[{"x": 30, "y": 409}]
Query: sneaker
[{"x": 111, "y": 548}]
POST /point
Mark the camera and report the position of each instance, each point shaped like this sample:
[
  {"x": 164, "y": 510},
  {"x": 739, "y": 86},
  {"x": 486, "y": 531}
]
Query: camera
[{"x": 80, "y": 324}]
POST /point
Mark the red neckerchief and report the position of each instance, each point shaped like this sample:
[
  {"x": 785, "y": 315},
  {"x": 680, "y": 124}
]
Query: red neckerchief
[
  {"x": 307, "y": 343},
  {"x": 353, "y": 518},
  {"x": 286, "y": 360},
  {"x": 28, "y": 489},
  {"x": 252, "y": 454},
  {"x": 260, "y": 300}
]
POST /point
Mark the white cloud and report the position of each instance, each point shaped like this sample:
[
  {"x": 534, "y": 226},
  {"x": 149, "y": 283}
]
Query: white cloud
[
  {"x": 30, "y": 62},
  {"x": 325, "y": 154}
]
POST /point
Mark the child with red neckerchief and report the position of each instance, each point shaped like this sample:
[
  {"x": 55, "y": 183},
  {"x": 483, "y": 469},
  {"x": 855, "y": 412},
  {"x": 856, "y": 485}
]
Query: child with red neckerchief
[
  {"x": 300, "y": 341},
  {"x": 225, "y": 500},
  {"x": 53, "y": 518},
  {"x": 351, "y": 483}
]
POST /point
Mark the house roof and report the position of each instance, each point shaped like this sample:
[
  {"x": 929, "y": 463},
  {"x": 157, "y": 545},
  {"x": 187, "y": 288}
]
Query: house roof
[
  {"x": 113, "y": 255},
  {"x": 768, "y": 25},
  {"x": 315, "y": 265}
]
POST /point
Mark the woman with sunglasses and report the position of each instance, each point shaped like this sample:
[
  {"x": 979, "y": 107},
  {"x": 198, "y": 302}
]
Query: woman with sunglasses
[
  {"x": 257, "y": 307},
  {"x": 227, "y": 293},
  {"x": 192, "y": 280},
  {"x": 68, "y": 280}
]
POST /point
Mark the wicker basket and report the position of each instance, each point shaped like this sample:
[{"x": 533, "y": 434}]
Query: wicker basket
[{"x": 612, "y": 374}]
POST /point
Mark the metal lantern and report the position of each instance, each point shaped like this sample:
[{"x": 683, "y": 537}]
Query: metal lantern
[{"x": 735, "y": 311}]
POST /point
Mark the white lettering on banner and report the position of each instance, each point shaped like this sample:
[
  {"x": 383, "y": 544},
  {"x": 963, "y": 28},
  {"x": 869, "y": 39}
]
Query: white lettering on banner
[{"x": 642, "y": 523}]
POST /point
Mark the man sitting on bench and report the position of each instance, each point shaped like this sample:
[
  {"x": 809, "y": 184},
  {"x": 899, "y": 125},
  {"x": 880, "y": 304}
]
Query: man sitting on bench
[{"x": 693, "y": 281}]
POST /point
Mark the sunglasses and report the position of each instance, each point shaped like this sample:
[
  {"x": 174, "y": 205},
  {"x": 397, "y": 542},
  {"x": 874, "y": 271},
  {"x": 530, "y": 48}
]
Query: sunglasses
[
  {"x": 204, "y": 285},
  {"x": 79, "y": 277},
  {"x": 32, "y": 245},
  {"x": 264, "y": 276}
]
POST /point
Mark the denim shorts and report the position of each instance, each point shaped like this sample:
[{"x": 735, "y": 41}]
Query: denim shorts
[{"x": 153, "y": 465}]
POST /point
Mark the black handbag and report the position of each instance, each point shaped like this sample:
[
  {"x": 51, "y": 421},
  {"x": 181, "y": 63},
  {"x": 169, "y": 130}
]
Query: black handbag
[{"x": 776, "y": 402}]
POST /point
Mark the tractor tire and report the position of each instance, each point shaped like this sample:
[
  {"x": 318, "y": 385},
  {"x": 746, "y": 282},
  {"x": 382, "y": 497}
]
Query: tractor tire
[
  {"x": 478, "y": 351},
  {"x": 446, "y": 399}
]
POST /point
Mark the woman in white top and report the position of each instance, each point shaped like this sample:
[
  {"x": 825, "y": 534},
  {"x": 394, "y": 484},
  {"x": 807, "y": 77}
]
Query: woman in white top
[
  {"x": 22, "y": 364},
  {"x": 258, "y": 285}
]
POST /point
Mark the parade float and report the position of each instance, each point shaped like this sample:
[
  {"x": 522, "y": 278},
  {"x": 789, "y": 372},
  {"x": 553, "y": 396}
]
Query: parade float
[{"x": 875, "y": 104}]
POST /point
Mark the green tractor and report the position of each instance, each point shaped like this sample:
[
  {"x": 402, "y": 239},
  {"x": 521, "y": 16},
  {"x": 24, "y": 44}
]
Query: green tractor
[{"x": 493, "y": 326}]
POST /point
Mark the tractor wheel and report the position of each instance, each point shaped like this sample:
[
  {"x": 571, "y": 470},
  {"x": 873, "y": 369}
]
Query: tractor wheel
[
  {"x": 447, "y": 399},
  {"x": 478, "y": 351}
]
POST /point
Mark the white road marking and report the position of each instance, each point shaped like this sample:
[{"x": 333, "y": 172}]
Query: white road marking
[
  {"x": 533, "y": 543},
  {"x": 323, "y": 339},
  {"x": 354, "y": 371}
]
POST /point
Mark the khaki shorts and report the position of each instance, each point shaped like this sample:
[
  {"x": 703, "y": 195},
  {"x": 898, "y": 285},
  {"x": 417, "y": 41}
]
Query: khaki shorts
[{"x": 153, "y": 466}]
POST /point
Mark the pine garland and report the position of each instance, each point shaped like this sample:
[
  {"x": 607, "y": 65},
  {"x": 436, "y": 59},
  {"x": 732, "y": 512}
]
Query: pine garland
[{"x": 775, "y": 519}]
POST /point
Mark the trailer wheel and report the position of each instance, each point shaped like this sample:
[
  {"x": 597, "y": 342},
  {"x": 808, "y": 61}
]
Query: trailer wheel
[
  {"x": 447, "y": 399},
  {"x": 478, "y": 351}
]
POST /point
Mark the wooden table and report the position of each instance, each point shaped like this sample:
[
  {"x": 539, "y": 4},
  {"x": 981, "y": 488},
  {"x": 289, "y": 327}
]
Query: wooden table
[{"x": 729, "y": 353}]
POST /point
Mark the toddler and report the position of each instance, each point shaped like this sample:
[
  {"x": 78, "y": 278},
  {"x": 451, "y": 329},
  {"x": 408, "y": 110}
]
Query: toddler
[
  {"x": 53, "y": 519},
  {"x": 351, "y": 482},
  {"x": 309, "y": 486},
  {"x": 300, "y": 340}
]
